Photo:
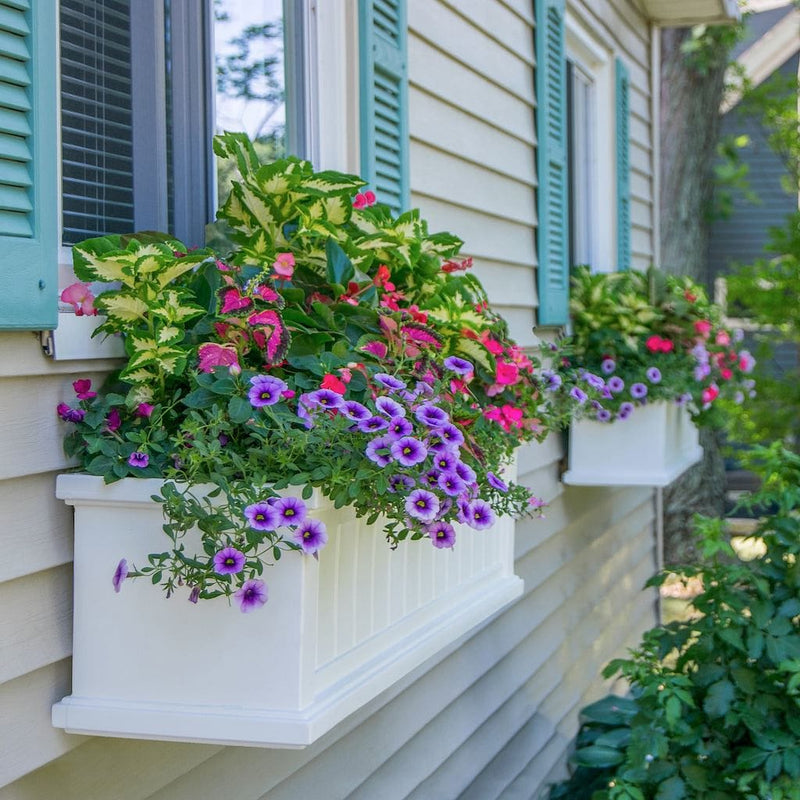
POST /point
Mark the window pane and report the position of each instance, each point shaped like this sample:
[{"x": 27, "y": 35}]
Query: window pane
[
  {"x": 250, "y": 92},
  {"x": 96, "y": 119},
  {"x": 581, "y": 127}
]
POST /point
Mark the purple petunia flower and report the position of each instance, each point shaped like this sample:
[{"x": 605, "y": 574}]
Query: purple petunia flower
[
  {"x": 431, "y": 416},
  {"x": 451, "y": 435},
  {"x": 423, "y": 505},
  {"x": 228, "y": 561},
  {"x": 608, "y": 366},
  {"x": 324, "y": 398},
  {"x": 194, "y": 595},
  {"x": 445, "y": 461},
  {"x": 400, "y": 483},
  {"x": 638, "y": 391},
  {"x": 373, "y": 424},
  {"x": 595, "y": 381},
  {"x": 374, "y": 448},
  {"x": 422, "y": 389},
  {"x": 355, "y": 411},
  {"x": 465, "y": 472},
  {"x": 252, "y": 595},
  {"x": 578, "y": 394},
  {"x": 625, "y": 410},
  {"x": 480, "y": 515},
  {"x": 451, "y": 484},
  {"x": 431, "y": 477},
  {"x": 120, "y": 573},
  {"x": 701, "y": 371},
  {"x": 409, "y": 451},
  {"x": 683, "y": 399},
  {"x": 262, "y": 516},
  {"x": 458, "y": 365},
  {"x": 389, "y": 381},
  {"x": 311, "y": 536},
  {"x": 291, "y": 510},
  {"x": 265, "y": 390},
  {"x": 700, "y": 353},
  {"x": 138, "y": 459},
  {"x": 399, "y": 426},
  {"x": 603, "y": 415},
  {"x": 653, "y": 374},
  {"x": 442, "y": 534},
  {"x": 389, "y": 407},
  {"x": 553, "y": 380},
  {"x": 69, "y": 414},
  {"x": 616, "y": 384},
  {"x": 494, "y": 481}
]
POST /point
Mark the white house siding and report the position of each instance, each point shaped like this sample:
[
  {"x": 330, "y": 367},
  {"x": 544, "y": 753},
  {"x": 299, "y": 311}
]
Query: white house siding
[{"x": 493, "y": 715}]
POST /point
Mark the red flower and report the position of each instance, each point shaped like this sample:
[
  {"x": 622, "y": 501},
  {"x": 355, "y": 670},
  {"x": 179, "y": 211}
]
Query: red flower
[
  {"x": 689, "y": 296},
  {"x": 333, "y": 384},
  {"x": 702, "y": 327},
  {"x": 457, "y": 266}
]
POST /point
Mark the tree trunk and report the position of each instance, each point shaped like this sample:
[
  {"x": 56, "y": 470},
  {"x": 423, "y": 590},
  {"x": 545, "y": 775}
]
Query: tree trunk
[{"x": 690, "y": 124}]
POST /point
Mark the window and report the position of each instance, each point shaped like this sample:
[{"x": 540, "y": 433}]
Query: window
[{"x": 581, "y": 133}]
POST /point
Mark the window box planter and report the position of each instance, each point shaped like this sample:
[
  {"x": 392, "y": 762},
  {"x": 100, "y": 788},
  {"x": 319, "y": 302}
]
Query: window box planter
[
  {"x": 652, "y": 447},
  {"x": 333, "y": 635}
]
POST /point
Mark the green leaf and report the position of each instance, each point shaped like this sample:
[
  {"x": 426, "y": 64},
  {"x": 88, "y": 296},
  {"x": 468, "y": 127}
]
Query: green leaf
[
  {"x": 199, "y": 398},
  {"x": 598, "y": 756},
  {"x": 718, "y": 699},
  {"x": 239, "y": 409},
  {"x": 340, "y": 269},
  {"x": 671, "y": 789},
  {"x": 611, "y": 710}
]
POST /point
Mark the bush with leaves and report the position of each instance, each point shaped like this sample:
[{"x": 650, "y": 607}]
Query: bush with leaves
[{"x": 716, "y": 696}]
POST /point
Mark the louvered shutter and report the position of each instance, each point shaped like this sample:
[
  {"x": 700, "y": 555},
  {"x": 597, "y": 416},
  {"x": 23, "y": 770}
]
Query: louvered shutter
[
  {"x": 96, "y": 118},
  {"x": 623, "y": 170},
  {"x": 551, "y": 130},
  {"x": 28, "y": 159},
  {"x": 384, "y": 100}
]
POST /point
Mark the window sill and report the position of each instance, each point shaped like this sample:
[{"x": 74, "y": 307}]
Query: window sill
[{"x": 72, "y": 340}]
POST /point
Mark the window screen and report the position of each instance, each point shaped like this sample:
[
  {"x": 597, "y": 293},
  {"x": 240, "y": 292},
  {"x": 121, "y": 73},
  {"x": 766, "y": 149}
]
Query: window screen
[{"x": 96, "y": 118}]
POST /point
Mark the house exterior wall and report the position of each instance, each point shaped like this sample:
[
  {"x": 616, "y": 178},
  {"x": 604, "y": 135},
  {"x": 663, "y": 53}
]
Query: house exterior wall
[{"x": 491, "y": 716}]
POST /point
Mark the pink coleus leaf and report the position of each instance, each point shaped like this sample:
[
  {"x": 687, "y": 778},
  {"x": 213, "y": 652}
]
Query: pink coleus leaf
[
  {"x": 216, "y": 355},
  {"x": 233, "y": 300}
]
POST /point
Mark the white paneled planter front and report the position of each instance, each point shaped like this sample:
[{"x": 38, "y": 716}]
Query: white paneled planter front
[
  {"x": 652, "y": 447},
  {"x": 333, "y": 635}
]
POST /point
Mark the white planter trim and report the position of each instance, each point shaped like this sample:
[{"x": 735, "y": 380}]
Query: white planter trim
[{"x": 333, "y": 635}]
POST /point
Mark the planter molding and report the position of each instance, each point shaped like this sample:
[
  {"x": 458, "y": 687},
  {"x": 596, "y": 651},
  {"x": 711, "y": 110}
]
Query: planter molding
[
  {"x": 652, "y": 447},
  {"x": 333, "y": 635}
]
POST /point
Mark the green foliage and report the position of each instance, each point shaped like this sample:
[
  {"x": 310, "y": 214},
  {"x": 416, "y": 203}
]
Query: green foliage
[{"x": 716, "y": 697}]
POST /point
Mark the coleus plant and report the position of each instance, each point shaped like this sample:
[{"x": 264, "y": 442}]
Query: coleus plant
[{"x": 318, "y": 342}]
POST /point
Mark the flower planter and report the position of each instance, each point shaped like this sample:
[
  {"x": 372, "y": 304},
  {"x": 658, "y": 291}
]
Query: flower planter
[
  {"x": 333, "y": 635},
  {"x": 651, "y": 448}
]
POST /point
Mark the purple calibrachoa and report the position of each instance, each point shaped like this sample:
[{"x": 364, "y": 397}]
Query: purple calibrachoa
[
  {"x": 616, "y": 384},
  {"x": 69, "y": 414},
  {"x": 354, "y": 410},
  {"x": 262, "y": 516},
  {"x": 653, "y": 374},
  {"x": 401, "y": 483},
  {"x": 638, "y": 391},
  {"x": 608, "y": 366},
  {"x": 311, "y": 535},
  {"x": 496, "y": 482},
  {"x": 373, "y": 424},
  {"x": 265, "y": 390},
  {"x": 290, "y": 510},
  {"x": 431, "y": 416},
  {"x": 465, "y": 472},
  {"x": 451, "y": 435},
  {"x": 422, "y": 505},
  {"x": 399, "y": 426},
  {"x": 229, "y": 561},
  {"x": 389, "y": 381},
  {"x": 389, "y": 408},
  {"x": 445, "y": 461},
  {"x": 120, "y": 573},
  {"x": 603, "y": 415},
  {"x": 324, "y": 398},
  {"x": 625, "y": 410},
  {"x": 480, "y": 515},
  {"x": 451, "y": 484},
  {"x": 442, "y": 534},
  {"x": 379, "y": 450},
  {"x": 251, "y": 595},
  {"x": 138, "y": 459},
  {"x": 576, "y": 393},
  {"x": 408, "y": 451},
  {"x": 459, "y": 365}
]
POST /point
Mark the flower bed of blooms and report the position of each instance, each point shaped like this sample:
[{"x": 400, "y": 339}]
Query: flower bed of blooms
[
  {"x": 640, "y": 337},
  {"x": 318, "y": 342}
]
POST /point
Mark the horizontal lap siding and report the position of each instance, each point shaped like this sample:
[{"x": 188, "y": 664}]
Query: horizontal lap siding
[
  {"x": 490, "y": 716},
  {"x": 473, "y": 144}
]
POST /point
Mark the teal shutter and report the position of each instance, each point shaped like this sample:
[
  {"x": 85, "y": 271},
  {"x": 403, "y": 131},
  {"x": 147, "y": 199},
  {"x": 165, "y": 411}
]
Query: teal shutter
[
  {"x": 553, "y": 194},
  {"x": 623, "y": 171},
  {"x": 28, "y": 159},
  {"x": 384, "y": 100}
]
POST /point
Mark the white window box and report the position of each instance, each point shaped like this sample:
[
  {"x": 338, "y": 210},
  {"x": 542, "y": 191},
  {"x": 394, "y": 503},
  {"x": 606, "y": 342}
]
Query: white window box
[
  {"x": 334, "y": 633},
  {"x": 652, "y": 447}
]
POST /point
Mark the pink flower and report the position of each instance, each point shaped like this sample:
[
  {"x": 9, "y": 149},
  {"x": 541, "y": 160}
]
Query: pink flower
[
  {"x": 512, "y": 415},
  {"x": 222, "y": 266},
  {"x": 233, "y": 300},
  {"x": 82, "y": 389},
  {"x": 723, "y": 338},
  {"x": 702, "y": 328},
  {"x": 363, "y": 200},
  {"x": 492, "y": 345},
  {"x": 726, "y": 374},
  {"x": 144, "y": 409},
  {"x": 709, "y": 394},
  {"x": 284, "y": 265},
  {"x": 212, "y": 355},
  {"x": 80, "y": 297},
  {"x": 506, "y": 374},
  {"x": 113, "y": 420}
]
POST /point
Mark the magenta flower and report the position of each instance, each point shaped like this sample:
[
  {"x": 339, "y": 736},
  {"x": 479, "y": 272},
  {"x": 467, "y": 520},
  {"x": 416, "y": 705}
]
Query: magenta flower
[
  {"x": 80, "y": 297},
  {"x": 442, "y": 534},
  {"x": 451, "y": 484},
  {"x": 431, "y": 416},
  {"x": 120, "y": 573},
  {"x": 228, "y": 561},
  {"x": 459, "y": 365},
  {"x": 389, "y": 381},
  {"x": 69, "y": 414},
  {"x": 113, "y": 420},
  {"x": 409, "y": 451},
  {"x": 265, "y": 391},
  {"x": 144, "y": 410},
  {"x": 389, "y": 407},
  {"x": 399, "y": 426},
  {"x": 480, "y": 515},
  {"x": 423, "y": 505},
  {"x": 378, "y": 451},
  {"x": 138, "y": 459},
  {"x": 311, "y": 535},
  {"x": 355, "y": 411},
  {"x": 82, "y": 389},
  {"x": 638, "y": 391},
  {"x": 494, "y": 481},
  {"x": 291, "y": 510},
  {"x": 261, "y": 516},
  {"x": 252, "y": 595}
]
